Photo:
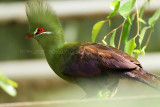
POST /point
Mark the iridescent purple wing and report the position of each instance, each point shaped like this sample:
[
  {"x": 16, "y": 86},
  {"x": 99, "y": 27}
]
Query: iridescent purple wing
[{"x": 93, "y": 59}]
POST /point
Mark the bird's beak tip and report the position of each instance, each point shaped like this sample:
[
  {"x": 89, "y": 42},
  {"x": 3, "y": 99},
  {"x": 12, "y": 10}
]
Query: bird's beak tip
[{"x": 28, "y": 36}]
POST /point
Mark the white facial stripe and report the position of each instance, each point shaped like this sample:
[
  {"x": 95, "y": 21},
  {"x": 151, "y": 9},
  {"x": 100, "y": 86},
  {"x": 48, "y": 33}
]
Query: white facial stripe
[
  {"x": 35, "y": 31},
  {"x": 46, "y": 33}
]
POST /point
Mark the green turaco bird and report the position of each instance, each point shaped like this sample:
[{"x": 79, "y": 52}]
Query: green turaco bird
[{"x": 94, "y": 67}]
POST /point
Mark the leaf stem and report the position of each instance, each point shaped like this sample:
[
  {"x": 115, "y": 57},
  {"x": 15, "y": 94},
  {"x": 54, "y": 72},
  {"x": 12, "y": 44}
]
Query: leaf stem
[
  {"x": 113, "y": 30},
  {"x": 106, "y": 20},
  {"x": 150, "y": 33},
  {"x": 121, "y": 34},
  {"x": 137, "y": 21}
]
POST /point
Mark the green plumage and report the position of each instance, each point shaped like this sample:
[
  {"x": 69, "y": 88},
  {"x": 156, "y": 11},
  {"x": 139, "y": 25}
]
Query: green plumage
[
  {"x": 94, "y": 67},
  {"x": 41, "y": 15}
]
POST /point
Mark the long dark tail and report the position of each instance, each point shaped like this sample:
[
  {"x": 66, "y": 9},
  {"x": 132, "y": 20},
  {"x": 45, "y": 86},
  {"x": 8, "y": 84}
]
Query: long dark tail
[{"x": 145, "y": 77}]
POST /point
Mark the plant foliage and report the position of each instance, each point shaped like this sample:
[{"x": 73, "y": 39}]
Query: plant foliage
[
  {"x": 130, "y": 46},
  {"x": 8, "y": 85}
]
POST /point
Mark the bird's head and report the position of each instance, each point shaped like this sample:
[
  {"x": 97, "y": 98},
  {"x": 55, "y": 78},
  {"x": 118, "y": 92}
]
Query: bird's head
[{"x": 43, "y": 22}]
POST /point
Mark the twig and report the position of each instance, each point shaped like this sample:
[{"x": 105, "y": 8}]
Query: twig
[
  {"x": 137, "y": 21},
  {"x": 121, "y": 34},
  {"x": 106, "y": 20},
  {"x": 150, "y": 33},
  {"x": 113, "y": 31}
]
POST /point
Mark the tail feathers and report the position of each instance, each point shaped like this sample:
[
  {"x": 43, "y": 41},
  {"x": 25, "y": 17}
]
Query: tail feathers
[{"x": 145, "y": 77}]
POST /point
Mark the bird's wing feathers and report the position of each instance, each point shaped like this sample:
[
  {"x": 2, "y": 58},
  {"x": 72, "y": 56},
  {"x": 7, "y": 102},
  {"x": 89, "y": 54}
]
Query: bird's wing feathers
[{"x": 93, "y": 59}]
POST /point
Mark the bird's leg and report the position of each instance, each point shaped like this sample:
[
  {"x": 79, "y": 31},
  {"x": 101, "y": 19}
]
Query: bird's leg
[
  {"x": 109, "y": 91},
  {"x": 113, "y": 89}
]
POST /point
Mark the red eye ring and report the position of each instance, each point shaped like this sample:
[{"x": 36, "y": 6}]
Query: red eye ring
[{"x": 40, "y": 30}]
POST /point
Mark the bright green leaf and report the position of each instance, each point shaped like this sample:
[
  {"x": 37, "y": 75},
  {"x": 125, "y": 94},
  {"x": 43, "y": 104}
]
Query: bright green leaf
[
  {"x": 137, "y": 51},
  {"x": 141, "y": 36},
  {"x": 8, "y": 85},
  {"x": 154, "y": 18},
  {"x": 96, "y": 29},
  {"x": 127, "y": 8},
  {"x": 130, "y": 46},
  {"x": 141, "y": 20},
  {"x": 8, "y": 88},
  {"x": 112, "y": 39},
  {"x": 136, "y": 55},
  {"x": 114, "y": 6}
]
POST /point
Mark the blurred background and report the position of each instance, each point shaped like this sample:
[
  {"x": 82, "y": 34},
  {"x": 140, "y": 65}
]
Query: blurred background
[{"x": 23, "y": 61}]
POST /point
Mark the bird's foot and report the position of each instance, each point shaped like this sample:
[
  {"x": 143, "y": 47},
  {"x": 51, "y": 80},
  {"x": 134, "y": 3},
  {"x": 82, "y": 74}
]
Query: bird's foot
[{"x": 105, "y": 95}]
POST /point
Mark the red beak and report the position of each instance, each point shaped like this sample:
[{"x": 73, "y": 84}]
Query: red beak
[{"x": 29, "y": 36}]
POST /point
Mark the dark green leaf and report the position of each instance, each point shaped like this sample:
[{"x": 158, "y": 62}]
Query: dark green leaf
[
  {"x": 96, "y": 29},
  {"x": 126, "y": 8},
  {"x": 141, "y": 12},
  {"x": 109, "y": 22},
  {"x": 112, "y": 39},
  {"x": 130, "y": 46},
  {"x": 129, "y": 20},
  {"x": 141, "y": 36},
  {"x": 154, "y": 18},
  {"x": 114, "y": 6},
  {"x": 126, "y": 30}
]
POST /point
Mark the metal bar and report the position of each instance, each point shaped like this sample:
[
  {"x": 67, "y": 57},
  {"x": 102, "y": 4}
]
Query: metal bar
[
  {"x": 65, "y": 9},
  {"x": 40, "y": 68}
]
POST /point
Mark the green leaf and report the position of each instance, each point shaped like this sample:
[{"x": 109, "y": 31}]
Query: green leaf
[
  {"x": 96, "y": 29},
  {"x": 141, "y": 36},
  {"x": 130, "y": 46},
  {"x": 143, "y": 50},
  {"x": 114, "y": 6},
  {"x": 127, "y": 8},
  {"x": 8, "y": 85},
  {"x": 129, "y": 20},
  {"x": 154, "y": 18},
  {"x": 137, "y": 51},
  {"x": 8, "y": 88},
  {"x": 126, "y": 30},
  {"x": 141, "y": 20},
  {"x": 141, "y": 12},
  {"x": 112, "y": 39}
]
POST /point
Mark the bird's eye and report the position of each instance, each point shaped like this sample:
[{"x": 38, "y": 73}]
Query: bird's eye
[{"x": 40, "y": 30}]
